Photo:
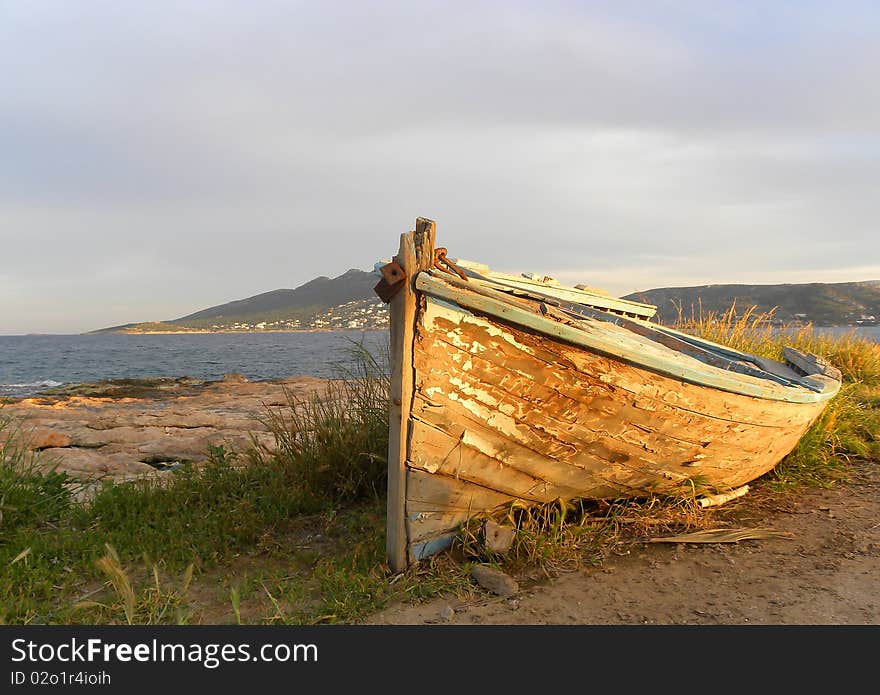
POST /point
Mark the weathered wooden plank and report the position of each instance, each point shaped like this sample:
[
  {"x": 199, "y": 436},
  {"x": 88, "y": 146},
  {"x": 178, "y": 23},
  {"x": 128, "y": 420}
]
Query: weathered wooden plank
[
  {"x": 810, "y": 364},
  {"x": 587, "y": 377},
  {"x": 502, "y": 466},
  {"x": 619, "y": 345},
  {"x": 437, "y": 492},
  {"x": 519, "y": 406},
  {"x": 569, "y": 294},
  {"x": 772, "y": 366},
  {"x": 428, "y": 524},
  {"x": 706, "y": 402},
  {"x": 589, "y": 422},
  {"x": 402, "y": 315},
  {"x": 622, "y": 335},
  {"x": 597, "y": 469},
  {"x": 586, "y": 474},
  {"x": 426, "y": 548},
  {"x": 469, "y": 376},
  {"x": 416, "y": 248},
  {"x": 716, "y": 356}
]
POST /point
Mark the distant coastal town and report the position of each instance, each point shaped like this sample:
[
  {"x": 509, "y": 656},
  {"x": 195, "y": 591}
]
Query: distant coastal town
[
  {"x": 360, "y": 314},
  {"x": 364, "y": 314}
]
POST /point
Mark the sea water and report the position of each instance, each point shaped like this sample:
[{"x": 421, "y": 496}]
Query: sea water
[
  {"x": 30, "y": 364},
  {"x": 33, "y": 363}
]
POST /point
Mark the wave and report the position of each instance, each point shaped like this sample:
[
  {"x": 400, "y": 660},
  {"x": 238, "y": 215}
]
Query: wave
[{"x": 29, "y": 387}]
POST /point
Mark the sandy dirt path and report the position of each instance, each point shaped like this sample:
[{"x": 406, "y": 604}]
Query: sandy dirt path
[{"x": 826, "y": 573}]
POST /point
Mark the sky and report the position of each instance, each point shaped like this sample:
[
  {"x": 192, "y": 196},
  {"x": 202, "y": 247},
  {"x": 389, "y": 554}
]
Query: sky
[{"x": 157, "y": 158}]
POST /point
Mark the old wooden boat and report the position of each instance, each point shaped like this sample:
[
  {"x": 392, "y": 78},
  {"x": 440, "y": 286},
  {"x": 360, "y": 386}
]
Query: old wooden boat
[{"x": 512, "y": 387}]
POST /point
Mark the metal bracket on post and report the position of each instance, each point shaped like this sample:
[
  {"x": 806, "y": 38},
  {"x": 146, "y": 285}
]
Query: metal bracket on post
[{"x": 392, "y": 281}]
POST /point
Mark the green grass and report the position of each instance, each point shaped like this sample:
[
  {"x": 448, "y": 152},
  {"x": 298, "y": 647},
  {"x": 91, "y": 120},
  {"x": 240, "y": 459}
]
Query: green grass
[
  {"x": 298, "y": 536},
  {"x": 55, "y": 553},
  {"x": 29, "y": 492},
  {"x": 200, "y": 515},
  {"x": 337, "y": 441}
]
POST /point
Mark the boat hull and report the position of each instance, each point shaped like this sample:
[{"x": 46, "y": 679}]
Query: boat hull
[
  {"x": 501, "y": 414},
  {"x": 503, "y": 394}
]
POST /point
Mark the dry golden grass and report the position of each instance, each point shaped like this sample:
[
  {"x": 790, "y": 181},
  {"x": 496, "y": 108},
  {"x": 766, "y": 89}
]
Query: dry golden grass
[
  {"x": 850, "y": 425},
  {"x": 857, "y": 357}
]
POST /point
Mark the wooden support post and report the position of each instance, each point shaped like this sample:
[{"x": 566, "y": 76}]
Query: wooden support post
[{"x": 416, "y": 253}]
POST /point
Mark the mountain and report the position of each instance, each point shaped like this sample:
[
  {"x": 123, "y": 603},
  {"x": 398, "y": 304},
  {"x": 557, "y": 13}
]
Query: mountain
[
  {"x": 822, "y": 304},
  {"x": 348, "y": 301},
  {"x": 313, "y": 297}
]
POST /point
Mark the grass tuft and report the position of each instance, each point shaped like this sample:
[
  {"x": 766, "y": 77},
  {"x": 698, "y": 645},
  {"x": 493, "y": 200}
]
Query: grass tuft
[
  {"x": 857, "y": 357},
  {"x": 31, "y": 492},
  {"x": 334, "y": 444},
  {"x": 848, "y": 428},
  {"x": 154, "y": 604}
]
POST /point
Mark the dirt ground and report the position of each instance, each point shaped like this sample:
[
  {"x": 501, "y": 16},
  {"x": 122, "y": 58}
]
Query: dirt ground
[{"x": 826, "y": 573}]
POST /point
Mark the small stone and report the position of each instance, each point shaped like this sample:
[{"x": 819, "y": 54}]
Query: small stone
[
  {"x": 494, "y": 580},
  {"x": 447, "y": 613},
  {"x": 45, "y": 438},
  {"x": 498, "y": 538},
  {"x": 235, "y": 378}
]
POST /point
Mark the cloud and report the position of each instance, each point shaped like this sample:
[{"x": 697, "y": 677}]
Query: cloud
[{"x": 177, "y": 155}]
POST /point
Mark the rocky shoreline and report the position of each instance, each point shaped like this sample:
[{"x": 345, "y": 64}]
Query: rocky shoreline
[{"x": 129, "y": 428}]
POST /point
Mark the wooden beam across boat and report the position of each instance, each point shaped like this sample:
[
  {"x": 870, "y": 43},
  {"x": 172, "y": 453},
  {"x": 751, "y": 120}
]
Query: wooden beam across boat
[{"x": 539, "y": 285}]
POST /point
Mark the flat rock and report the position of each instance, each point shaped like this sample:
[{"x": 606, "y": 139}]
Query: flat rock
[
  {"x": 45, "y": 438},
  {"x": 93, "y": 463},
  {"x": 494, "y": 580},
  {"x": 497, "y": 538},
  {"x": 235, "y": 378},
  {"x": 130, "y": 428}
]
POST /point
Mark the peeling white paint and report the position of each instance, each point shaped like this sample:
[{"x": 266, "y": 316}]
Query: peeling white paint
[
  {"x": 439, "y": 309},
  {"x": 480, "y": 394},
  {"x": 507, "y": 409}
]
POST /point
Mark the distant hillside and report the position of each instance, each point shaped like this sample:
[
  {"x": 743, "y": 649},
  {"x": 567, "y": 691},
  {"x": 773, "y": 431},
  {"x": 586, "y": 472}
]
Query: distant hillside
[
  {"x": 348, "y": 301},
  {"x": 311, "y": 298},
  {"x": 823, "y": 304}
]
